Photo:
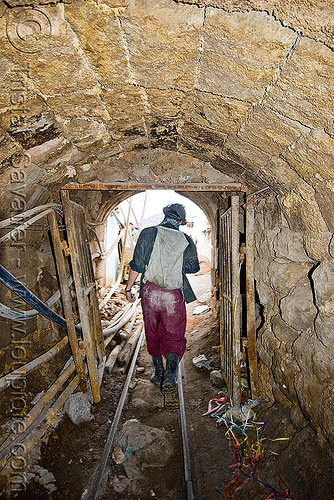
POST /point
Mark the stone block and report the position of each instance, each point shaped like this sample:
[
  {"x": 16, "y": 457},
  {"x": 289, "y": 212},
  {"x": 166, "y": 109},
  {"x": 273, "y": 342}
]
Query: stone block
[
  {"x": 290, "y": 245},
  {"x": 266, "y": 381},
  {"x": 120, "y": 483},
  {"x": 282, "y": 331},
  {"x": 113, "y": 4},
  {"x": 279, "y": 175},
  {"x": 317, "y": 246},
  {"x": 317, "y": 404},
  {"x": 284, "y": 369},
  {"x": 302, "y": 211},
  {"x": 247, "y": 40},
  {"x": 269, "y": 341},
  {"x": 7, "y": 146},
  {"x": 97, "y": 31},
  {"x": 284, "y": 274},
  {"x": 264, "y": 356},
  {"x": 324, "y": 325},
  {"x": 222, "y": 114},
  {"x": 86, "y": 135},
  {"x": 270, "y": 131},
  {"x": 297, "y": 308},
  {"x": 162, "y": 41},
  {"x": 47, "y": 478},
  {"x": 303, "y": 90},
  {"x": 170, "y": 103},
  {"x": 323, "y": 281},
  {"x": 314, "y": 359},
  {"x": 209, "y": 138}
]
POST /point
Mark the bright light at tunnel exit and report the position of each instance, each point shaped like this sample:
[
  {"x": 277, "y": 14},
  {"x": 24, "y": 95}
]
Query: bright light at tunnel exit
[{"x": 156, "y": 200}]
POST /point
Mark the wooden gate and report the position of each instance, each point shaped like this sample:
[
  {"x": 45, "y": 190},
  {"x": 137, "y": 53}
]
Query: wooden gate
[
  {"x": 230, "y": 303},
  {"x": 85, "y": 287}
]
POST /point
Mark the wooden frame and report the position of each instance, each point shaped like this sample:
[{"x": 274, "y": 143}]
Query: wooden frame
[
  {"x": 250, "y": 300},
  {"x": 85, "y": 287},
  {"x": 230, "y": 300},
  {"x": 67, "y": 301}
]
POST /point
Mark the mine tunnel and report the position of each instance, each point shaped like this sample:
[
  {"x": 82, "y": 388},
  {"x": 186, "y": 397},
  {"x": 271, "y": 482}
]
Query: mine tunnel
[{"x": 228, "y": 104}]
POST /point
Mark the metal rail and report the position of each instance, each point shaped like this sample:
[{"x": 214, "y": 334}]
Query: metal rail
[
  {"x": 187, "y": 470},
  {"x": 185, "y": 440},
  {"x": 115, "y": 422}
]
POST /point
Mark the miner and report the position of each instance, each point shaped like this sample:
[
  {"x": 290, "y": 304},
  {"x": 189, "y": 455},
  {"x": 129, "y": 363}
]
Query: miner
[{"x": 163, "y": 256}]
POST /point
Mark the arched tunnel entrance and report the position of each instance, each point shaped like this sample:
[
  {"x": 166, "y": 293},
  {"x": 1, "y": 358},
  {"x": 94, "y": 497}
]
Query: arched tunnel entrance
[{"x": 229, "y": 216}]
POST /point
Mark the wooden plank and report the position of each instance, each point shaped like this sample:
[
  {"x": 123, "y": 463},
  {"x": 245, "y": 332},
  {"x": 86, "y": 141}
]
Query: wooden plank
[
  {"x": 250, "y": 300},
  {"x": 126, "y": 354},
  {"x": 221, "y": 292},
  {"x": 99, "y": 339},
  {"x": 66, "y": 299},
  {"x": 135, "y": 186},
  {"x": 89, "y": 339},
  {"x": 226, "y": 300},
  {"x": 236, "y": 355}
]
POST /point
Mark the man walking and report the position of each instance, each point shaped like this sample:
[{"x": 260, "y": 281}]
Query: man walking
[{"x": 163, "y": 255}]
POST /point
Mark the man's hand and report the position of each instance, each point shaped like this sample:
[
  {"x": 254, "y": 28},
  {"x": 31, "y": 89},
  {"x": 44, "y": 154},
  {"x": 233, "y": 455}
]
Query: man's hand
[
  {"x": 129, "y": 296},
  {"x": 132, "y": 278}
]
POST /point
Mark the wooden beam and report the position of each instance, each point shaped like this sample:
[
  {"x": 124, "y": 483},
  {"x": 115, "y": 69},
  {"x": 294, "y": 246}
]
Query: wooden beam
[
  {"x": 250, "y": 299},
  {"x": 132, "y": 186},
  {"x": 236, "y": 355},
  {"x": 86, "y": 316},
  {"x": 67, "y": 301}
]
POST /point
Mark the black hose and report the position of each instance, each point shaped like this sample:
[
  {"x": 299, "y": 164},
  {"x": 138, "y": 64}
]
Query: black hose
[{"x": 25, "y": 294}]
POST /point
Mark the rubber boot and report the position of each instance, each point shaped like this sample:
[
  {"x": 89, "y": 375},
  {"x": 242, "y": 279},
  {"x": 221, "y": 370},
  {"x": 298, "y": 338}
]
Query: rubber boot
[
  {"x": 169, "y": 389},
  {"x": 158, "y": 375}
]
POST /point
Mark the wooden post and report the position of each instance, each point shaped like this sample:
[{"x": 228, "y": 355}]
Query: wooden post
[
  {"x": 82, "y": 297},
  {"x": 236, "y": 356},
  {"x": 66, "y": 299},
  {"x": 250, "y": 299}
]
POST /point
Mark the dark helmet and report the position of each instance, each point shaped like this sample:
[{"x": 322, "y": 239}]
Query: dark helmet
[{"x": 177, "y": 212}]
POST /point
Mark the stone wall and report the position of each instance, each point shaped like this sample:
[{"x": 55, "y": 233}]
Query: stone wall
[{"x": 294, "y": 283}]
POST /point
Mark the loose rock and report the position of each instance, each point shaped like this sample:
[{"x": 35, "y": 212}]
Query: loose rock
[{"x": 78, "y": 407}]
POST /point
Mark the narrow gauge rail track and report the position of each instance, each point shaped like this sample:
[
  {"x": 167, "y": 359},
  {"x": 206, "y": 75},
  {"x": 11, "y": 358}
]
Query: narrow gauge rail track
[{"x": 95, "y": 491}]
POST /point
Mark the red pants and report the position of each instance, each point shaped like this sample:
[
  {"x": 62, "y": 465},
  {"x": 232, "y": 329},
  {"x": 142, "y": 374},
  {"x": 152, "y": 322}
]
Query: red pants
[{"x": 165, "y": 320}]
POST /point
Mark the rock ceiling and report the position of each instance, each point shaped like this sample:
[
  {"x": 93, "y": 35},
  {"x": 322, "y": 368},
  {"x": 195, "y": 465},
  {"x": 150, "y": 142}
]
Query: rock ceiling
[{"x": 118, "y": 90}]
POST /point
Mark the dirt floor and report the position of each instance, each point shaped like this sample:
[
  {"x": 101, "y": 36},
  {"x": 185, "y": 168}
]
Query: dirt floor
[{"x": 294, "y": 467}]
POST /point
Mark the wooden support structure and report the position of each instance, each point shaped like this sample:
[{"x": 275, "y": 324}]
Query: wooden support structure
[
  {"x": 67, "y": 301},
  {"x": 125, "y": 355},
  {"x": 235, "y": 330},
  {"x": 229, "y": 273},
  {"x": 85, "y": 287},
  {"x": 224, "y": 267},
  {"x": 250, "y": 300}
]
